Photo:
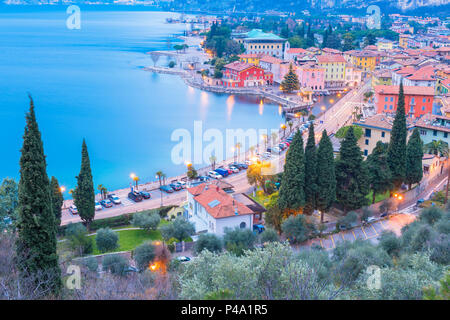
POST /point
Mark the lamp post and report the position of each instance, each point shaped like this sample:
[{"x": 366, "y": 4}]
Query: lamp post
[
  {"x": 283, "y": 126},
  {"x": 233, "y": 149},
  {"x": 135, "y": 178},
  {"x": 399, "y": 198},
  {"x": 160, "y": 191},
  {"x": 188, "y": 165}
]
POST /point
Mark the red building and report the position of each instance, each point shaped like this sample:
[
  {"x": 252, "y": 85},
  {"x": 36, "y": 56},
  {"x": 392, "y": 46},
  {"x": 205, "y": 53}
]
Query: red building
[
  {"x": 240, "y": 74},
  {"x": 418, "y": 100}
]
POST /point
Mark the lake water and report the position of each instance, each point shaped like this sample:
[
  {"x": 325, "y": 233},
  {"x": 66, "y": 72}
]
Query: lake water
[{"x": 88, "y": 83}]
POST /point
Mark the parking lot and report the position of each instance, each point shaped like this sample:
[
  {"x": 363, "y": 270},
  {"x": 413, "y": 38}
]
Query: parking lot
[{"x": 369, "y": 232}]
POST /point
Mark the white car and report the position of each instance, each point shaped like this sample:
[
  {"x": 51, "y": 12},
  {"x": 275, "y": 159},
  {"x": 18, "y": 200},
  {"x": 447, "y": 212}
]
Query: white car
[
  {"x": 276, "y": 150},
  {"x": 370, "y": 219},
  {"x": 115, "y": 199},
  {"x": 266, "y": 155},
  {"x": 98, "y": 206},
  {"x": 234, "y": 169},
  {"x": 215, "y": 175},
  {"x": 73, "y": 209},
  {"x": 183, "y": 259}
]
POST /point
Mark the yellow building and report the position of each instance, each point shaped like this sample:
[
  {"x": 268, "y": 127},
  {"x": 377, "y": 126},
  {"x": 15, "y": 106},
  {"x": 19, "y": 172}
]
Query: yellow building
[
  {"x": 334, "y": 65},
  {"x": 252, "y": 58},
  {"x": 385, "y": 45},
  {"x": 366, "y": 60},
  {"x": 403, "y": 40},
  {"x": 376, "y": 128},
  {"x": 382, "y": 77}
]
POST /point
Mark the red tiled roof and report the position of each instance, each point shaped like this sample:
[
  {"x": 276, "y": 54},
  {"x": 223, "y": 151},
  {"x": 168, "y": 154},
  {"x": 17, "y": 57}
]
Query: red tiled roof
[
  {"x": 272, "y": 60},
  {"x": 296, "y": 50},
  {"x": 239, "y": 66},
  {"x": 410, "y": 90},
  {"x": 331, "y": 50},
  {"x": 251, "y": 55},
  {"x": 425, "y": 73},
  {"x": 218, "y": 203},
  {"x": 330, "y": 58}
]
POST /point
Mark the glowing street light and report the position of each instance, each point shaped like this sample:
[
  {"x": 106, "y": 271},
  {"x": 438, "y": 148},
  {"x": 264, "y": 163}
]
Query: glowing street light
[
  {"x": 283, "y": 126},
  {"x": 135, "y": 178},
  {"x": 62, "y": 189}
]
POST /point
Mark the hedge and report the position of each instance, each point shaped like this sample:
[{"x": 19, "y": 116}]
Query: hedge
[{"x": 119, "y": 221}]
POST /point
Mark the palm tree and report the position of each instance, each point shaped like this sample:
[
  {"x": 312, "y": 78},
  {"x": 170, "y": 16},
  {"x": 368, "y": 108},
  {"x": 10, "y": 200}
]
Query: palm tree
[
  {"x": 160, "y": 176},
  {"x": 264, "y": 137},
  {"x": 213, "y": 160},
  {"x": 103, "y": 191},
  {"x": 238, "y": 148},
  {"x": 252, "y": 150},
  {"x": 437, "y": 147},
  {"x": 290, "y": 124}
]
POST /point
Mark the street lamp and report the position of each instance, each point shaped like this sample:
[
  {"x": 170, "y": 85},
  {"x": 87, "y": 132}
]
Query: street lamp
[
  {"x": 135, "y": 178},
  {"x": 160, "y": 191},
  {"x": 234, "y": 153},
  {"x": 62, "y": 189},
  {"x": 323, "y": 108},
  {"x": 283, "y": 126}
]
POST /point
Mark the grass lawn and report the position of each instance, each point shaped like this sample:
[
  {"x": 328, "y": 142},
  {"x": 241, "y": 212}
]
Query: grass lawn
[
  {"x": 378, "y": 197},
  {"x": 130, "y": 239},
  {"x": 260, "y": 197}
]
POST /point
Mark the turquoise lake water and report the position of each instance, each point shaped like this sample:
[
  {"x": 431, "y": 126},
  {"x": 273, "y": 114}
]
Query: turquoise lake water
[{"x": 88, "y": 83}]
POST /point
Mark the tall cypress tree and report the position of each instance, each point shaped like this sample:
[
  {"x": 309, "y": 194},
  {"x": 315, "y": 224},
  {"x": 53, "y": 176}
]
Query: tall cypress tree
[
  {"x": 351, "y": 174},
  {"x": 310, "y": 172},
  {"x": 36, "y": 242},
  {"x": 84, "y": 194},
  {"x": 380, "y": 177},
  {"x": 414, "y": 155},
  {"x": 326, "y": 176},
  {"x": 397, "y": 144},
  {"x": 57, "y": 200},
  {"x": 292, "y": 194}
]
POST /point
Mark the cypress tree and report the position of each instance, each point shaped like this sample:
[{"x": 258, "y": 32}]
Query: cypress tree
[
  {"x": 379, "y": 173},
  {"x": 351, "y": 174},
  {"x": 325, "y": 37},
  {"x": 57, "y": 201},
  {"x": 414, "y": 155},
  {"x": 397, "y": 144},
  {"x": 84, "y": 194},
  {"x": 291, "y": 193},
  {"x": 290, "y": 81},
  {"x": 326, "y": 176},
  {"x": 36, "y": 242},
  {"x": 310, "y": 172},
  {"x": 310, "y": 37}
]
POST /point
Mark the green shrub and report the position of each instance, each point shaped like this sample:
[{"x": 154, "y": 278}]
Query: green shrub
[
  {"x": 106, "y": 240},
  {"x": 269, "y": 235},
  {"x": 115, "y": 263},
  {"x": 91, "y": 263},
  {"x": 143, "y": 255},
  {"x": 76, "y": 234},
  {"x": 208, "y": 241},
  {"x": 146, "y": 220}
]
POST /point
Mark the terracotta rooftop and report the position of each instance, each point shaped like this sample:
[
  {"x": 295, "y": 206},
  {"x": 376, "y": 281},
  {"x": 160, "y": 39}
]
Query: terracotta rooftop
[
  {"x": 271, "y": 59},
  {"x": 218, "y": 203},
  {"x": 330, "y": 58},
  {"x": 425, "y": 73},
  {"x": 239, "y": 66},
  {"x": 331, "y": 50},
  {"x": 296, "y": 50},
  {"x": 381, "y": 121},
  {"x": 410, "y": 90}
]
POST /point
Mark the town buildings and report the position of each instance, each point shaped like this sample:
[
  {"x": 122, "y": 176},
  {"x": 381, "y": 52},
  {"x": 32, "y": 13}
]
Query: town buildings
[
  {"x": 418, "y": 100},
  {"x": 259, "y": 42},
  {"x": 240, "y": 74},
  {"x": 334, "y": 66}
]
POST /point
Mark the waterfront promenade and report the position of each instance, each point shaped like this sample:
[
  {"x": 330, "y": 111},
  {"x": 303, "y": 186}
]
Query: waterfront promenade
[{"x": 336, "y": 116}]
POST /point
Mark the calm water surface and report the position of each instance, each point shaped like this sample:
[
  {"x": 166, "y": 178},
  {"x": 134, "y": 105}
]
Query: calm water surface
[{"x": 89, "y": 84}]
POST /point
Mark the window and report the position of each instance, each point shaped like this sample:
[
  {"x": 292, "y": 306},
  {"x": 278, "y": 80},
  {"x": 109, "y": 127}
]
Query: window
[
  {"x": 383, "y": 134},
  {"x": 367, "y": 142},
  {"x": 445, "y": 134},
  {"x": 423, "y": 132},
  {"x": 385, "y": 107},
  {"x": 392, "y": 99},
  {"x": 435, "y": 133},
  {"x": 368, "y": 133},
  {"x": 366, "y": 152},
  {"x": 242, "y": 225},
  {"x": 424, "y": 100}
]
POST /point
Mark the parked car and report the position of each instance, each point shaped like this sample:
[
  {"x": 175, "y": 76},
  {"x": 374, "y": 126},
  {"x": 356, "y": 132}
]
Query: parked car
[
  {"x": 258, "y": 228},
  {"x": 233, "y": 169},
  {"x": 106, "y": 203},
  {"x": 227, "y": 170},
  {"x": 131, "y": 269},
  {"x": 222, "y": 172},
  {"x": 370, "y": 219},
  {"x": 384, "y": 214},
  {"x": 135, "y": 196},
  {"x": 266, "y": 155},
  {"x": 166, "y": 189},
  {"x": 175, "y": 186},
  {"x": 276, "y": 150},
  {"x": 145, "y": 194},
  {"x": 73, "y": 209},
  {"x": 215, "y": 175},
  {"x": 183, "y": 184},
  {"x": 282, "y": 146},
  {"x": 115, "y": 199},
  {"x": 203, "y": 178},
  {"x": 98, "y": 206},
  {"x": 183, "y": 259},
  {"x": 248, "y": 162}
]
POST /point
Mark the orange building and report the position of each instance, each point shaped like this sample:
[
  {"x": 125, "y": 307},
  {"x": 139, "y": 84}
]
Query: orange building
[{"x": 418, "y": 100}]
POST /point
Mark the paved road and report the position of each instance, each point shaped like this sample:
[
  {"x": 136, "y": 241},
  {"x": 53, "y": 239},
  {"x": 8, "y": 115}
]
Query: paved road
[{"x": 337, "y": 115}]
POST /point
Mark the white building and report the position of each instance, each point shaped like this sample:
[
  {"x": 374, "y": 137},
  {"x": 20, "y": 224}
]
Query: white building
[{"x": 212, "y": 210}]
